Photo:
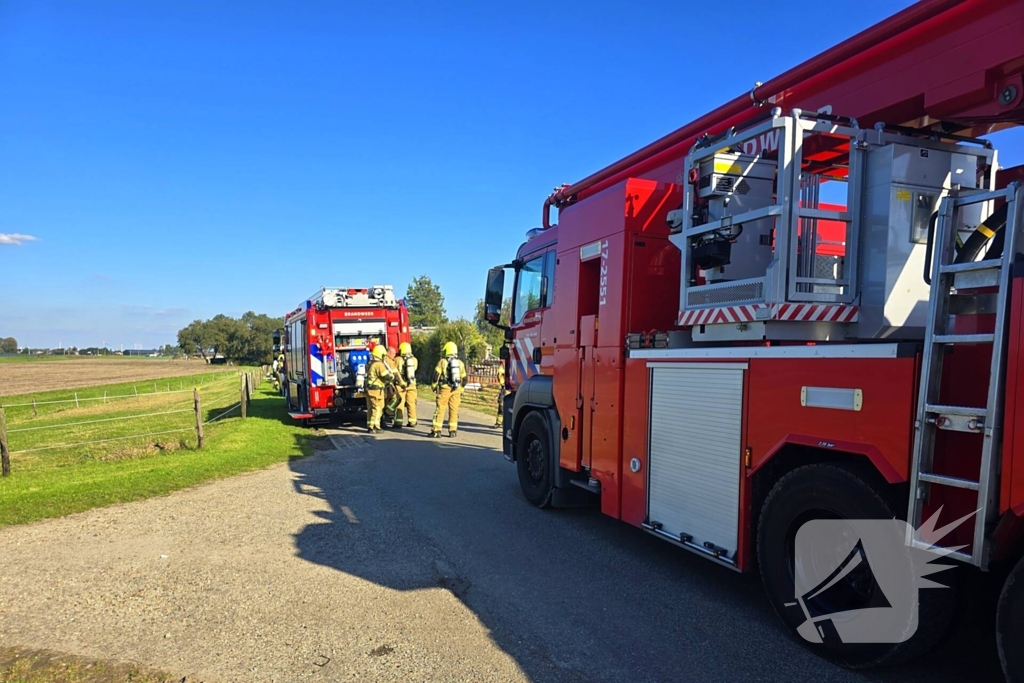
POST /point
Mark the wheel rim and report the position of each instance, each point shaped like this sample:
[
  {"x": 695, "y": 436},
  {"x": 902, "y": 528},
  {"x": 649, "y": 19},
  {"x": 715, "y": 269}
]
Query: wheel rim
[
  {"x": 535, "y": 459},
  {"x": 854, "y": 591}
]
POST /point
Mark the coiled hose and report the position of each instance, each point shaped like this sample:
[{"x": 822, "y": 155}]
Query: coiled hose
[{"x": 991, "y": 229}]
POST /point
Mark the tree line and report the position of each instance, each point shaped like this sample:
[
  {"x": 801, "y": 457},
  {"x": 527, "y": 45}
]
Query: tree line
[
  {"x": 425, "y": 302},
  {"x": 248, "y": 339}
]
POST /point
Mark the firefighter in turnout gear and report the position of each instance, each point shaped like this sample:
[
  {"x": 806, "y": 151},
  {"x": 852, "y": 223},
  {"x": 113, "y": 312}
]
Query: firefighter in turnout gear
[
  {"x": 407, "y": 366},
  {"x": 395, "y": 392},
  {"x": 449, "y": 383},
  {"x": 378, "y": 376}
]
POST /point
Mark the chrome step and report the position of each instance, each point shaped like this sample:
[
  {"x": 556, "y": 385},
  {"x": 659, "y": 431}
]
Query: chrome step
[
  {"x": 956, "y": 554},
  {"x": 964, "y": 338},
  {"x": 966, "y": 411},
  {"x": 955, "y": 482},
  {"x": 974, "y": 266}
]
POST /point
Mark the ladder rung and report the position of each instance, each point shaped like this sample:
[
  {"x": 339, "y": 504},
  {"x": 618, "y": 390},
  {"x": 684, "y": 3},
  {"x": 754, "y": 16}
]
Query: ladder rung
[
  {"x": 964, "y": 338},
  {"x": 955, "y": 554},
  {"x": 987, "y": 264},
  {"x": 955, "y": 482},
  {"x": 966, "y": 411}
]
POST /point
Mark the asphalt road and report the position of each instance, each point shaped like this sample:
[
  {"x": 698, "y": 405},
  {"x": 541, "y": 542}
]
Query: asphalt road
[
  {"x": 400, "y": 558},
  {"x": 572, "y": 595}
]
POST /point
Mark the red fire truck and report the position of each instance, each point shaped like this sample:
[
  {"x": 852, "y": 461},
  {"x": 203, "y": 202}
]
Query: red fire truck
[
  {"x": 719, "y": 355},
  {"x": 327, "y": 342}
]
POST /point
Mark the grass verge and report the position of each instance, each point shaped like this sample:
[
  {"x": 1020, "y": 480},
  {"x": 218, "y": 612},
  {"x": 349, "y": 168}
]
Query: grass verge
[
  {"x": 22, "y": 665},
  {"x": 233, "y": 446}
]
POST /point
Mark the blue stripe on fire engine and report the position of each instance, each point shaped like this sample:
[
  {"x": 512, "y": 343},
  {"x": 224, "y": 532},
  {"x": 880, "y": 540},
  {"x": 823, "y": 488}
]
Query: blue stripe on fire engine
[{"x": 316, "y": 365}]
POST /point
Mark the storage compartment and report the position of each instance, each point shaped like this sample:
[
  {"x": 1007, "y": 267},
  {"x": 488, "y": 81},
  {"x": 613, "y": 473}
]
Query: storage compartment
[{"x": 695, "y": 454}]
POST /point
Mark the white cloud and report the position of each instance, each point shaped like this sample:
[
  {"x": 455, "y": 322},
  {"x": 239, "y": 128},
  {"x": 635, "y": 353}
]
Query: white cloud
[{"x": 16, "y": 239}]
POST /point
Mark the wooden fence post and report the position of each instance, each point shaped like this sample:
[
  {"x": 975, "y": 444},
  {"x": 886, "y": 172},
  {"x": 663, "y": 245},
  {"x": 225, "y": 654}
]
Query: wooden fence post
[
  {"x": 35, "y": 413},
  {"x": 5, "y": 452},
  {"x": 242, "y": 398},
  {"x": 199, "y": 416},
  {"x": 76, "y": 399},
  {"x": 136, "y": 388}
]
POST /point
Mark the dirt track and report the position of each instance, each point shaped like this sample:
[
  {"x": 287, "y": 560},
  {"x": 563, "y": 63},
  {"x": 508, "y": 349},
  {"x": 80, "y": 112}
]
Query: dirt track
[{"x": 32, "y": 376}]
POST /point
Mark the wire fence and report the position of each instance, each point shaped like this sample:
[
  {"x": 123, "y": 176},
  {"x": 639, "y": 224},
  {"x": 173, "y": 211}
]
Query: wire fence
[{"x": 116, "y": 429}]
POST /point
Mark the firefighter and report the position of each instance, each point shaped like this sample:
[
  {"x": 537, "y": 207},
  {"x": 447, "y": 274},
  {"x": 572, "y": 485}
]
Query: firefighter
[
  {"x": 378, "y": 376},
  {"x": 395, "y": 393},
  {"x": 407, "y": 366},
  {"x": 369, "y": 347},
  {"x": 501, "y": 396},
  {"x": 449, "y": 383}
]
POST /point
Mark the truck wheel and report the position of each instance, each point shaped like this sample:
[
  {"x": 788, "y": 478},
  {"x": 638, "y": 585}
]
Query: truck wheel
[
  {"x": 836, "y": 492},
  {"x": 1010, "y": 625},
  {"x": 533, "y": 460}
]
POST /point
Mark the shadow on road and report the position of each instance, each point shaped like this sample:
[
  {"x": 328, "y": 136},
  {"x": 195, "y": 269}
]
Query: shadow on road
[{"x": 570, "y": 595}]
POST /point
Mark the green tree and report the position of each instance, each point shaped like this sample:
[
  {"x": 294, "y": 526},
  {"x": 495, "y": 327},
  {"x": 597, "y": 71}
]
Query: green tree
[
  {"x": 257, "y": 337},
  {"x": 195, "y": 338},
  {"x": 425, "y": 302},
  {"x": 8, "y": 345},
  {"x": 247, "y": 339},
  {"x": 427, "y": 346}
]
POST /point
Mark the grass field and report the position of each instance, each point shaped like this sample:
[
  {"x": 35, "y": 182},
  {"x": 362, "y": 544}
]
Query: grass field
[
  {"x": 41, "y": 426},
  {"x": 25, "y": 374},
  {"x": 53, "y": 483}
]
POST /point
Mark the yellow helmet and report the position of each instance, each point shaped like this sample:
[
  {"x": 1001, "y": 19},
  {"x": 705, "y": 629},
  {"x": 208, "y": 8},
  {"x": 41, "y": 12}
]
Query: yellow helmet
[
  {"x": 378, "y": 351},
  {"x": 405, "y": 348},
  {"x": 450, "y": 349}
]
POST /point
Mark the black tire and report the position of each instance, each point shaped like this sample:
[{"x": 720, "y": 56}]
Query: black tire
[
  {"x": 1010, "y": 625},
  {"x": 837, "y": 491},
  {"x": 533, "y": 460}
]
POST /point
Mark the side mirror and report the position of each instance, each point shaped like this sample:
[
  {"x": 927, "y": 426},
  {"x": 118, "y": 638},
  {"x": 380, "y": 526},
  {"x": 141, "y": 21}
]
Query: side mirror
[{"x": 493, "y": 296}]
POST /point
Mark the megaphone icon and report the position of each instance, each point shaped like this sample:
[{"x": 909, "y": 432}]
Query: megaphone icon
[{"x": 850, "y": 587}]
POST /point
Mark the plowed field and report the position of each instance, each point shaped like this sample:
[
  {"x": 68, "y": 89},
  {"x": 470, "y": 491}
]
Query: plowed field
[{"x": 34, "y": 376}]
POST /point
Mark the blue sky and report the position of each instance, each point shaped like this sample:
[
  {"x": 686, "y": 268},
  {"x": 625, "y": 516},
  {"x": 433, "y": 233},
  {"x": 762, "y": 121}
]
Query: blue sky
[{"x": 177, "y": 159}]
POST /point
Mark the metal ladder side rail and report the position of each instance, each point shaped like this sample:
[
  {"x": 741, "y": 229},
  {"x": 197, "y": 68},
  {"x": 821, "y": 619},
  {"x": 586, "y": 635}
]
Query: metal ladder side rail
[
  {"x": 936, "y": 340},
  {"x": 992, "y": 449},
  {"x": 988, "y": 503},
  {"x": 923, "y": 448}
]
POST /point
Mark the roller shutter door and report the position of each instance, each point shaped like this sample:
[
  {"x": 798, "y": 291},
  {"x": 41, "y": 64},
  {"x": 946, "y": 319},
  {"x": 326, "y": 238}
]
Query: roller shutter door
[{"x": 695, "y": 454}]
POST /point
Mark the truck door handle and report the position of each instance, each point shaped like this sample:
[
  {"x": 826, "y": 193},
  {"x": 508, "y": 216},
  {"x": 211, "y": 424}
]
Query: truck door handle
[{"x": 536, "y": 355}]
